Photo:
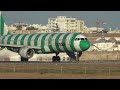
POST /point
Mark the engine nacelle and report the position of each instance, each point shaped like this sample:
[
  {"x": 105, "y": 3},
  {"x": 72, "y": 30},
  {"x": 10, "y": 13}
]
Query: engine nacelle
[
  {"x": 73, "y": 54},
  {"x": 26, "y": 52}
]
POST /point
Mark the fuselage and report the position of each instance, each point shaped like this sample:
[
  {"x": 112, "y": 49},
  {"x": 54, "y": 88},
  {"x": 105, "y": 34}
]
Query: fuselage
[{"x": 48, "y": 42}]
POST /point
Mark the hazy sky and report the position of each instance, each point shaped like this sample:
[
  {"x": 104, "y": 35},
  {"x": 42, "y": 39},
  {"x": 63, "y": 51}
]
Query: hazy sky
[{"x": 112, "y": 18}]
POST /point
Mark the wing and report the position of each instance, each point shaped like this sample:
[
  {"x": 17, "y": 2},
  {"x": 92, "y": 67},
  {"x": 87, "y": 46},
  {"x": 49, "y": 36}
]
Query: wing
[{"x": 33, "y": 47}]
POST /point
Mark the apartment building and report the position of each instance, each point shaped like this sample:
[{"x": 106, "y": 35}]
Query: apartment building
[
  {"x": 65, "y": 24},
  {"x": 110, "y": 44}
]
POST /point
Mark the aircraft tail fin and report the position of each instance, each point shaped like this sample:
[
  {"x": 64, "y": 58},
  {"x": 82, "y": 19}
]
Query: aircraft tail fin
[{"x": 3, "y": 26}]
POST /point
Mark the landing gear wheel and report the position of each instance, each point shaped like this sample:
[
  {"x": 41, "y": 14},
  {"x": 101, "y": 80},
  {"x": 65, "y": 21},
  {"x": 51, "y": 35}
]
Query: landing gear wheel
[
  {"x": 56, "y": 59},
  {"x": 24, "y": 59}
]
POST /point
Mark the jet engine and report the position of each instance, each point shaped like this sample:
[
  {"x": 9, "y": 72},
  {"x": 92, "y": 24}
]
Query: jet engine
[
  {"x": 73, "y": 55},
  {"x": 26, "y": 52}
]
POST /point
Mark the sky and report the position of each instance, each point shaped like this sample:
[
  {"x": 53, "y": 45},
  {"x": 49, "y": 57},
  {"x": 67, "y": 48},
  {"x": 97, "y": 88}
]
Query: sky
[{"x": 111, "y": 18}]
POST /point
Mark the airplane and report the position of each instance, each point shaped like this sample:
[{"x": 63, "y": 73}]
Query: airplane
[{"x": 26, "y": 45}]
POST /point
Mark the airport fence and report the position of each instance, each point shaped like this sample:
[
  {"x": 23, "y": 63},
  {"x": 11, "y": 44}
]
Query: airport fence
[{"x": 57, "y": 68}]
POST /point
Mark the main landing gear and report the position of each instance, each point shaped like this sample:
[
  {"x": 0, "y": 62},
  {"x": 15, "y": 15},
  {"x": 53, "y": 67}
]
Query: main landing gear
[{"x": 56, "y": 58}]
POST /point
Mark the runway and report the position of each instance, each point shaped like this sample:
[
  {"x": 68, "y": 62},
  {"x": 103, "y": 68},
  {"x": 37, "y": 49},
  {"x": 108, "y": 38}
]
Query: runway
[{"x": 63, "y": 62}]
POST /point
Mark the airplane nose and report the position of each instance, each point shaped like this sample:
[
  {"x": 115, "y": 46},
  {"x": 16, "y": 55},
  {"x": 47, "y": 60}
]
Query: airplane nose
[{"x": 84, "y": 45}]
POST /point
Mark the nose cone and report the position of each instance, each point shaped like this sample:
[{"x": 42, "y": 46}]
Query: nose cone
[{"x": 84, "y": 45}]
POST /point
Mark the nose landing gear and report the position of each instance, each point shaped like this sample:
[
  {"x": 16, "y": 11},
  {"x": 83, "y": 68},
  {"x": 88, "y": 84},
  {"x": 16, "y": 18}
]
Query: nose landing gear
[
  {"x": 56, "y": 58},
  {"x": 77, "y": 55}
]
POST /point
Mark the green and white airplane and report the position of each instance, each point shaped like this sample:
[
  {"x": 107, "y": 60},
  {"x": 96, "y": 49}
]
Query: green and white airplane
[{"x": 29, "y": 44}]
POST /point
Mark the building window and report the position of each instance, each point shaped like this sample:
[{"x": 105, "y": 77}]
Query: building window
[{"x": 72, "y": 20}]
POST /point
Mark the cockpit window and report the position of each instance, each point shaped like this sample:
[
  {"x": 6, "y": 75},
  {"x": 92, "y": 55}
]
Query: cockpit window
[
  {"x": 77, "y": 39},
  {"x": 85, "y": 38},
  {"x": 80, "y": 39}
]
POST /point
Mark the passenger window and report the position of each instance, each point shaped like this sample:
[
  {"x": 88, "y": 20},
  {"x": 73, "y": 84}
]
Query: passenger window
[
  {"x": 85, "y": 38},
  {"x": 77, "y": 39}
]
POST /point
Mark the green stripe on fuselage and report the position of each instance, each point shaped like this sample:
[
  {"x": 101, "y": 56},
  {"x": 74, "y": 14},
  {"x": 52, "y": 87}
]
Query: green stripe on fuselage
[
  {"x": 72, "y": 42},
  {"x": 16, "y": 39},
  {"x": 64, "y": 41},
  {"x": 3, "y": 38},
  {"x": 9, "y": 39},
  {"x": 22, "y": 39},
  {"x": 29, "y": 39},
  {"x": 50, "y": 42},
  {"x": 36, "y": 39},
  {"x": 57, "y": 42}
]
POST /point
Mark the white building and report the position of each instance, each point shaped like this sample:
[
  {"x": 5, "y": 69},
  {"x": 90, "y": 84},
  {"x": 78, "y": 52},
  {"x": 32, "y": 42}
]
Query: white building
[
  {"x": 111, "y": 44},
  {"x": 12, "y": 27},
  {"x": 92, "y": 29},
  {"x": 39, "y": 26},
  {"x": 104, "y": 46},
  {"x": 35, "y": 25},
  {"x": 114, "y": 31},
  {"x": 66, "y": 24}
]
